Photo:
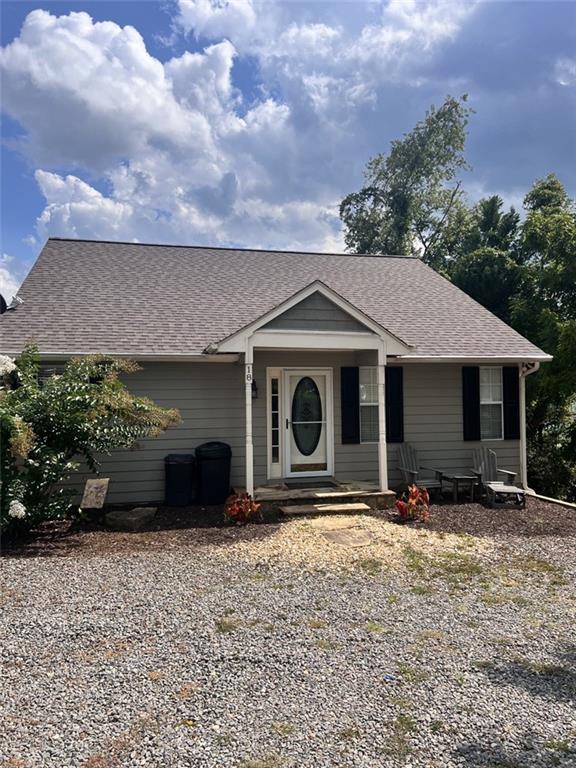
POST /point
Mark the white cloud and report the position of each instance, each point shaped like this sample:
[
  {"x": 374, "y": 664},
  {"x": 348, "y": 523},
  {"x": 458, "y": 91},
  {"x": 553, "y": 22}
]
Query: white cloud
[
  {"x": 9, "y": 279},
  {"x": 129, "y": 147},
  {"x": 565, "y": 71},
  {"x": 218, "y": 18}
]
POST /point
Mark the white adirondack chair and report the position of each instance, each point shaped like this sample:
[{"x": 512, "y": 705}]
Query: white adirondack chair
[
  {"x": 410, "y": 469},
  {"x": 498, "y": 492}
]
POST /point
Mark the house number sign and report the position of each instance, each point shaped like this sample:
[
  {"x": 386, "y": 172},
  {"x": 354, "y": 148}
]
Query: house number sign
[{"x": 248, "y": 374}]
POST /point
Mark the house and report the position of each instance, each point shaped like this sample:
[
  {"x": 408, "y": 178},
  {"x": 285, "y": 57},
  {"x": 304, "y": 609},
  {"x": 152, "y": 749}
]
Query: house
[{"x": 310, "y": 365}]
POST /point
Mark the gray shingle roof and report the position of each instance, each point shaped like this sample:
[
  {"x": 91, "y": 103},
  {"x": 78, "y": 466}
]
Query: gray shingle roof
[{"x": 127, "y": 298}]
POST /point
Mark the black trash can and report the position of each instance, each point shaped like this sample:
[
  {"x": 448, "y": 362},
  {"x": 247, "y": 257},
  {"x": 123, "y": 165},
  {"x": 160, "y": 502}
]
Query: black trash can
[
  {"x": 180, "y": 479},
  {"x": 213, "y": 461}
]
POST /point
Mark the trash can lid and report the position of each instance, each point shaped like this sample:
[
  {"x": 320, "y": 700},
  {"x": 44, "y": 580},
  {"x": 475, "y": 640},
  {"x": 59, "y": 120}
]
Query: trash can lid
[
  {"x": 213, "y": 450},
  {"x": 180, "y": 458}
]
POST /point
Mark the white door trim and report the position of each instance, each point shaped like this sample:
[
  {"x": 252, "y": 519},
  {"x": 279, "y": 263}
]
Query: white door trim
[{"x": 285, "y": 430}]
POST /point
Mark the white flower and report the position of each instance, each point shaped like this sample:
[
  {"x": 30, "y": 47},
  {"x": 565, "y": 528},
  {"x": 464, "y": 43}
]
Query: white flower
[
  {"x": 17, "y": 509},
  {"x": 7, "y": 365}
]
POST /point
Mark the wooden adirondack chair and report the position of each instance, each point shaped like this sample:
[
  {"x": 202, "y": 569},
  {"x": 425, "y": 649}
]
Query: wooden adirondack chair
[
  {"x": 498, "y": 492},
  {"x": 410, "y": 469}
]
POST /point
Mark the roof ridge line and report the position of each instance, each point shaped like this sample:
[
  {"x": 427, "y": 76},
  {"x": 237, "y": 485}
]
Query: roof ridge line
[{"x": 232, "y": 248}]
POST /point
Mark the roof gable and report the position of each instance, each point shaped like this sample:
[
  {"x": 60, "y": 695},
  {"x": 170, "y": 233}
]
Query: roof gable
[
  {"x": 319, "y": 294},
  {"x": 316, "y": 312}
]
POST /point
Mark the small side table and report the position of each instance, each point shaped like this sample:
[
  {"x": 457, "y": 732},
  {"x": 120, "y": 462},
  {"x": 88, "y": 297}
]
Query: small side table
[{"x": 458, "y": 481}]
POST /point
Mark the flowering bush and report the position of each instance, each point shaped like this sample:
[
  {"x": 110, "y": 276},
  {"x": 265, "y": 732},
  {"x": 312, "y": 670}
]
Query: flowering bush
[
  {"x": 45, "y": 428},
  {"x": 415, "y": 505},
  {"x": 241, "y": 509}
]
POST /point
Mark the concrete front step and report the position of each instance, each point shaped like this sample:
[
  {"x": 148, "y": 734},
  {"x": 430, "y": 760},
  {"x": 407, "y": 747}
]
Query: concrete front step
[{"x": 325, "y": 509}]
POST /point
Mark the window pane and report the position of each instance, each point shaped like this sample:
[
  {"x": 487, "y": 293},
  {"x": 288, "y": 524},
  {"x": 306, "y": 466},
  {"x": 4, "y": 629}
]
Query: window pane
[
  {"x": 368, "y": 385},
  {"x": 491, "y": 422},
  {"x": 491, "y": 384},
  {"x": 369, "y": 424},
  {"x": 274, "y": 386}
]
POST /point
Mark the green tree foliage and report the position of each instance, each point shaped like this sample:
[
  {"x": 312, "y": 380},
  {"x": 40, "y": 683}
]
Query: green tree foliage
[
  {"x": 412, "y": 193},
  {"x": 46, "y": 427},
  {"x": 523, "y": 271},
  {"x": 544, "y": 310}
]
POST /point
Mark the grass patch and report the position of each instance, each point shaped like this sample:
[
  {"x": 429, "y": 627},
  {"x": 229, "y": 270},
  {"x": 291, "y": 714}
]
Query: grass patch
[
  {"x": 325, "y": 645},
  {"x": 370, "y": 565},
  {"x": 455, "y": 567},
  {"x": 398, "y": 743},
  {"x": 534, "y": 564},
  {"x": 412, "y": 674},
  {"x": 543, "y": 668},
  {"x": 350, "y": 733},
  {"x": 393, "y": 599},
  {"x": 374, "y": 626},
  {"x": 283, "y": 727},
  {"x": 558, "y": 745},
  {"x": 317, "y": 624},
  {"x": 268, "y": 761},
  {"x": 225, "y": 625},
  {"x": 423, "y": 589}
]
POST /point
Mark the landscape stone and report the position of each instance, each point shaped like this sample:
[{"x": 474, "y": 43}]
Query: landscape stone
[{"x": 130, "y": 519}]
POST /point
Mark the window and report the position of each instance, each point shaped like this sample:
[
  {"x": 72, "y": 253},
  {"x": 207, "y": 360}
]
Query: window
[
  {"x": 491, "y": 410},
  {"x": 368, "y": 405},
  {"x": 275, "y": 420}
]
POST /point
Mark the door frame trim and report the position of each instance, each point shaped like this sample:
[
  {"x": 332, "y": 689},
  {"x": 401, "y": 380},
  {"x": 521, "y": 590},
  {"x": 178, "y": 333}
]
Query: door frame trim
[{"x": 329, "y": 406}]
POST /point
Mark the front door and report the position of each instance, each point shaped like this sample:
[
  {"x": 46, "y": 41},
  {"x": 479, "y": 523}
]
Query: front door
[{"x": 309, "y": 443}]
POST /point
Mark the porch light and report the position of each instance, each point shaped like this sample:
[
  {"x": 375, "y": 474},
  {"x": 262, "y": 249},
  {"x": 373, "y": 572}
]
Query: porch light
[{"x": 254, "y": 390}]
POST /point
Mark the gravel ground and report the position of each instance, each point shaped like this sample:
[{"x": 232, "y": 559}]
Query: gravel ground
[{"x": 269, "y": 647}]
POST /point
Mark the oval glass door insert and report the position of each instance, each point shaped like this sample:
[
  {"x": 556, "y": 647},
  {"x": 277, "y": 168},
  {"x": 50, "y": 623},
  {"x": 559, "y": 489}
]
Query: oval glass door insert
[{"x": 306, "y": 416}]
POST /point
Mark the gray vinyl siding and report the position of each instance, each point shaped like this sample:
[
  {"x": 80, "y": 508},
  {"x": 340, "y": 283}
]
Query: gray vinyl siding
[
  {"x": 210, "y": 398},
  {"x": 433, "y": 422},
  {"x": 315, "y": 313}
]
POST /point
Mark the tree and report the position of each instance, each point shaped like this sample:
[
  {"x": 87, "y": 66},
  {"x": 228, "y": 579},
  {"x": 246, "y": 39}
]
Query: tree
[
  {"x": 46, "y": 427},
  {"x": 544, "y": 310},
  {"x": 490, "y": 228},
  {"x": 413, "y": 192},
  {"x": 490, "y": 276}
]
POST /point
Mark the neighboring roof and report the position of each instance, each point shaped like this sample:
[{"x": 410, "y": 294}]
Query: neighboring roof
[{"x": 85, "y": 296}]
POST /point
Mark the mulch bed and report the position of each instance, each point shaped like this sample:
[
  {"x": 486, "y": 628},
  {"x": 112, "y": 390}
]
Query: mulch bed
[{"x": 192, "y": 526}]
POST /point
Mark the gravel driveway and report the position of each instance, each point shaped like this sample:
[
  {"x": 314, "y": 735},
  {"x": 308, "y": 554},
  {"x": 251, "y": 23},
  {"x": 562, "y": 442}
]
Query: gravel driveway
[{"x": 270, "y": 647}]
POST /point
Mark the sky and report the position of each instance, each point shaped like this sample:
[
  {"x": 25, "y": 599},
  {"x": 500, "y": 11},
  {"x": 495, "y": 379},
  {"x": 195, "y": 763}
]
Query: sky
[{"x": 244, "y": 123}]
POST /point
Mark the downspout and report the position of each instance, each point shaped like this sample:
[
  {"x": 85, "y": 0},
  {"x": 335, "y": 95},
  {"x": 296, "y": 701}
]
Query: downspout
[{"x": 524, "y": 370}]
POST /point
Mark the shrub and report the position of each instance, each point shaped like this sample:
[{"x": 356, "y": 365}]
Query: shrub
[
  {"x": 46, "y": 427},
  {"x": 241, "y": 509},
  {"x": 415, "y": 505}
]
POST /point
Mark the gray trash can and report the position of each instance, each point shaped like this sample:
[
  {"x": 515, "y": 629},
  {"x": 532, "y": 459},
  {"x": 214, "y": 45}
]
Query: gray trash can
[{"x": 213, "y": 462}]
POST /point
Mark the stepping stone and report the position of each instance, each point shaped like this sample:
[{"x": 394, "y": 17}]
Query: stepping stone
[
  {"x": 130, "y": 519},
  {"x": 350, "y": 537},
  {"x": 333, "y": 523},
  {"x": 326, "y": 509}
]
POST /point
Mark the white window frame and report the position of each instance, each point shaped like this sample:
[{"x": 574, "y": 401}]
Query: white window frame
[
  {"x": 371, "y": 405},
  {"x": 493, "y": 402}
]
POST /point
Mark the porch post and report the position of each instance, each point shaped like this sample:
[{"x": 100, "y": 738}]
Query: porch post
[
  {"x": 248, "y": 378},
  {"x": 382, "y": 452}
]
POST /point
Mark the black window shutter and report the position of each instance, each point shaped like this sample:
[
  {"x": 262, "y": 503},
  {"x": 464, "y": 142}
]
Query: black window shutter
[
  {"x": 350, "y": 404},
  {"x": 511, "y": 398},
  {"x": 394, "y": 405},
  {"x": 471, "y": 402}
]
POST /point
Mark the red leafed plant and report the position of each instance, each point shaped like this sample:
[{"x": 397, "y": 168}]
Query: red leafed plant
[
  {"x": 415, "y": 505},
  {"x": 241, "y": 509}
]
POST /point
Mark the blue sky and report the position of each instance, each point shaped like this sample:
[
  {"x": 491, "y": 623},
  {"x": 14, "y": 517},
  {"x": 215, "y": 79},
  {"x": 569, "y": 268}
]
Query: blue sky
[{"x": 245, "y": 123}]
